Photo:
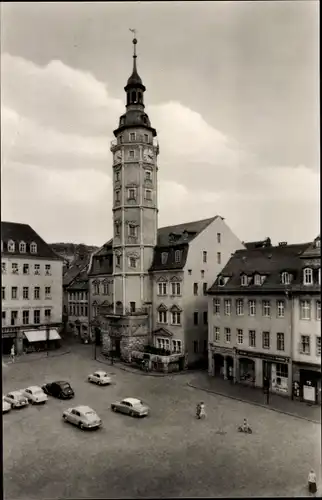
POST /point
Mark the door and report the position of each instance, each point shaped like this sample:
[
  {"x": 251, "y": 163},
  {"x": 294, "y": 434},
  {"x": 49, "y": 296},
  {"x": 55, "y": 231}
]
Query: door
[{"x": 267, "y": 371}]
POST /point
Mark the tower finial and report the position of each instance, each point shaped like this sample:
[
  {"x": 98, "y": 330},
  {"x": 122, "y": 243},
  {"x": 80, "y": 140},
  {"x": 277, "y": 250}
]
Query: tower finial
[{"x": 134, "y": 31}]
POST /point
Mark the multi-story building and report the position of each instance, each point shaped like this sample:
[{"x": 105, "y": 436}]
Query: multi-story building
[
  {"x": 148, "y": 285},
  {"x": 77, "y": 294},
  {"x": 31, "y": 288},
  {"x": 254, "y": 316}
]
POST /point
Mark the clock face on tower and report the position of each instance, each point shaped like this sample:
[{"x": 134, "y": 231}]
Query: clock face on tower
[
  {"x": 118, "y": 156},
  {"x": 148, "y": 155}
]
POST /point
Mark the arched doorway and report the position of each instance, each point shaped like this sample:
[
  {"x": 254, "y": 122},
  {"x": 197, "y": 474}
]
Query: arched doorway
[
  {"x": 229, "y": 367},
  {"x": 247, "y": 371},
  {"x": 218, "y": 365}
]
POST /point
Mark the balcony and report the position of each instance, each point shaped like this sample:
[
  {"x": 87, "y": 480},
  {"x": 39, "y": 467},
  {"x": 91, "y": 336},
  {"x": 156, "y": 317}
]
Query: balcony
[{"x": 139, "y": 140}]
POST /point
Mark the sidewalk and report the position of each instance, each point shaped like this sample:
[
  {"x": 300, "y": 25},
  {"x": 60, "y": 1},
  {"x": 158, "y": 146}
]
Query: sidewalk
[
  {"x": 35, "y": 356},
  {"x": 256, "y": 397}
]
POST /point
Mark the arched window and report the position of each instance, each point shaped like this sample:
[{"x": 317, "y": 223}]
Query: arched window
[
  {"x": 33, "y": 247},
  {"x": 22, "y": 247},
  {"x": 308, "y": 276},
  {"x": 286, "y": 278},
  {"x": 11, "y": 246}
]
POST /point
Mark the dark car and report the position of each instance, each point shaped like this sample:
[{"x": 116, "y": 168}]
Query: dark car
[{"x": 59, "y": 389}]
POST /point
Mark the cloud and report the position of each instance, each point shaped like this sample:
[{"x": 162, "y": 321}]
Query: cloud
[{"x": 57, "y": 125}]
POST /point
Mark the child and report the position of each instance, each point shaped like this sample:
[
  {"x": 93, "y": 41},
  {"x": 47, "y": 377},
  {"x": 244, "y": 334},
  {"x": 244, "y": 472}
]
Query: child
[
  {"x": 312, "y": 482},
  {"x": 12, "y": 354}
]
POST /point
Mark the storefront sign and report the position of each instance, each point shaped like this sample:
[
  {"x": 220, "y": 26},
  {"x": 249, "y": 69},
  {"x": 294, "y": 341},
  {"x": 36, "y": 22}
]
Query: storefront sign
[
  {"x": 9, "y": 332},
  {"x": 267, "y": 357},
  {"x": 222, "y": 350}
]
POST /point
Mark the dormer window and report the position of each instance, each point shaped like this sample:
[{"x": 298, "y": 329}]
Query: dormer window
[
  {"x": 221, "y": 281},
  {"x": 308, "y": 276},
  {"x": 177, "y": 256},
  {"x": 257, "y": 280},
  {"x": 244, "y": 280},
  {"x": 317, "y": 243},
  {"x": 263, "y": 278},
  {"x": 164, "y": 257},
  {"x": 286, "y": 278},
  {"x": 22, "y": 247},
  {"x": 11, "y": 246},
  {"x": 33, "y": 247}
]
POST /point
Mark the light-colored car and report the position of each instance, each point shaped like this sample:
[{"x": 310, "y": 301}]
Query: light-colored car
[
  {"x": 35, "y": 394},
  {"x": 100, "y": 378},
  {"x": 82, "y": 416},
  {"x": 16, "y": 399},
  {"x": 5, "y": 406},
  {"x": 131, "y": 406}
]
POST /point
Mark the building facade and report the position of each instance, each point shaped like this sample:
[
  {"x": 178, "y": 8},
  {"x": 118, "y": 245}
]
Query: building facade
[
  {"x": 147, "y": 286},
  {"x": 254, "y": 330},
  {"x": 31, "y": 288}
]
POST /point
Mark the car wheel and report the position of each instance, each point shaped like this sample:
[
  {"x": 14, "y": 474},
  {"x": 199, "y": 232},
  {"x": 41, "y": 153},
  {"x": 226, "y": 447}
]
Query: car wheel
[
  {"x": 89, "y": 379},
  {"x": 64, "y": 417},
  {"x": 114, "y": 408},
  {"x": 81, "y": 426},
  {"x": 131, "y": 413}
]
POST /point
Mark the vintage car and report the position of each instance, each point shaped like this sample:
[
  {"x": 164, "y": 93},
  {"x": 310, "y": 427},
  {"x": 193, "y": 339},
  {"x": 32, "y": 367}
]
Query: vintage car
[
  {"x": 59, "y": 389},
  {"x": 131, "y": 406},
  {"x": 35, "y": 394},
  {"x": 5, "y": 406},
  {"x": 100, "y": 378},
  {"x": 82, "y": 416},
  {"x": 16, "y": 399}
]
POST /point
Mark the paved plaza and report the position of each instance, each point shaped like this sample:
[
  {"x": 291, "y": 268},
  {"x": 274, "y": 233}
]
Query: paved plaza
[{"x": 169, "y": 454}]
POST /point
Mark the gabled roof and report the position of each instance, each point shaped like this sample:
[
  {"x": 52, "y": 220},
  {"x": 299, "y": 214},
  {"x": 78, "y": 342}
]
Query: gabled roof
[
  {"x": 80, "y": 282},
  {"x": 24, "y": 233},
  {"x": 182, "y": 233},
  {"x": 79, "y": 267},
  {"x": 266, "y": 261}
]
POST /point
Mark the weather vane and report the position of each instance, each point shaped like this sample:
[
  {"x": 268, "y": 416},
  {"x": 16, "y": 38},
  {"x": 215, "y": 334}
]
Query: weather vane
[{"x": 134, "y": 31}]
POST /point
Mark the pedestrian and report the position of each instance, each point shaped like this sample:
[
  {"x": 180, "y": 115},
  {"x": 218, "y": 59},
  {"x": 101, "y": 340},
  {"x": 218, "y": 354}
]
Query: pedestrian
[
  {"x": 230, "y": 373},
  {"x": 12, "y": 353},
  {"x": 201, "y": 412},
  {"x": 312, "y": 483}
]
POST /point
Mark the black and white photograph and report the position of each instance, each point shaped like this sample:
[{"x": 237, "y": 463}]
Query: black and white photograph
[{"x": 160, "y": 249}]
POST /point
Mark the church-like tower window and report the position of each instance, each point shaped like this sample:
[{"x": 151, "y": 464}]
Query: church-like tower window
[
  {"x": 132, "y": 136},
  {"x": 118, "y": 260},
  {"x": 117, "y": 229},
  {"x": 117, "y": 176},
  {"x": 131, "y": 154},
  {"x": 121, "y": 139},
  {"x": 131, "y": 195},
  {"x": 148, "y": 194},
  {"x": 132, "y": 262},
  {"x": 133, "y": 96},
  {"x": 146, "y": 138},
  {"x": 132, "y": 230},
  {"x": 117, "y": 195},
  {"x": 148, "y": 175}
]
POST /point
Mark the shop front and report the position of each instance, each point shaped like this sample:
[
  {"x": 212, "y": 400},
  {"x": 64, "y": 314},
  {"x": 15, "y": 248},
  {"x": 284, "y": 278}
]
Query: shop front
[
  {"x": 41, "y": 340},
  {"x": 9, "y": 339},
  {"x": 246, "y": 369},
  {"x": 222, "y": 362},
  {"x": 308, "y": 380}
]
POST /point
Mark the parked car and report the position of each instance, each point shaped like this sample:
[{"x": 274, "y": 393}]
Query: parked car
[
  {"x": 35, "y": 394},
  {"x": 59, "y": 389},
  {"x": 131, "y": 406},
  {"x": 16, "y": 399},
  {"x": 82, "y": 416},
  {"x": 5, "y": 406},
  {"x": 100, "y": 378}
]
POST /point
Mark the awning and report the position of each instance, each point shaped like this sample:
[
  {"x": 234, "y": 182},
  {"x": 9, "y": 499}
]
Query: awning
[{"x": 41, "y": 335}]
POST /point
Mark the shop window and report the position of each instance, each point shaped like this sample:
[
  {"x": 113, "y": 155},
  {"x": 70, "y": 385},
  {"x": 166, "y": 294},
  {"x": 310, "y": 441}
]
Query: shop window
[{"x": 281, "y": 370}]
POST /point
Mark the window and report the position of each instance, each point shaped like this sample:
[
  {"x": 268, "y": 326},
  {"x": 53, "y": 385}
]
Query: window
[
  {"x": 280, "y": 308},
  {"x": 117, "y": 229},
  {"x": 195, "y": 346},
  {"x": 286, "y": 278},
  {"x": 14, "y": 292},
  {"x": 176, "y": 346},
  {"x": 14, "y": 268},
  {"x": 218, "y": 238},
  {"x": 281, "y": 370},
  {"x": 252, "y": 338},
  {"x": 118, "y": 260},
  {"x": 163, "y": 316},
  {"x": 25, "y": 317},
  {"x": 36, "y": 316},
  {"x": 257, "y": 280},
  {"x": 47, "y": 292},
  {"x": 37, "y": 269},
  {"x": 132, "y": 230},
  {"x": 14, "y": 317},
  {"x": 117, "y": 176},
  {"x": 3, "y": 268},
  {"x": 131, "y": 194},
  {"x": 164, "y": 257},
  {"x": 252, "y": 307},
  {"x": 319, "y": 276},
  {"x": 96, "y": 288},
  {"x": 33, "y": 248},
  {"x": 205, "y": 317},
  {"x": 240, "y": 336},
  {"x": 163, "y": 344},
  {"x": 132, "y": 262},
  {"x": 132, "y": 136},
  {"x": 177, "y": 256},
  {"x": 202, "y": 273},
  {"x": 204, "y": 288},
  {"x": 106, "y": 290},
  {"x": 176, "y": 288},
  {"x": 22, "y": 247},
  {"x": 25, "y": 269},
  {"x": 266, "y": 342},
  {"x": 227, "y": 307},
  {"x": 148, "y": 194},
  {"x": 305, "y": 309},
  {"x": 195, "y": 318},
  {"x": 318, "y": 310},
  {"x": 85, "y": 311},
  {"x": 117, "y": 195},
  {"x": 11, "y": 246},
  {"x": 131, "y": 154},
  {"x": 176, "y": 318},
  {"x": 318, "y": 345},
  {"x": 25, "y": 292},
  {"x": 216, "y": 334},
  {"x": 37, "y": 292},
  {"x": 218, "y": 258},
  {"x": 216, "y": 306},
  {"x": 162, "y": 289},
  {"x": 280, "y": 341},
  {"x": 132, "y": 307},
  {"x": 308, "y": 276},
  {"x": 244, "y": 280},
  {"x": 204, "y": 256},
  {"x": 3, "y": 293},
  {"x": 146, "y": 138},
  {"x": 195, "y": 288},
  {"x": 240, "y": 307},
  {"x": 305, "y": 344},
  {"x": 227, "y": 335},
  {"x": 266, "y": 308},
  {"x": 3, "y": 315},
  {"x": 148, "y": 175},
  {"x": 48, "y": 270}
]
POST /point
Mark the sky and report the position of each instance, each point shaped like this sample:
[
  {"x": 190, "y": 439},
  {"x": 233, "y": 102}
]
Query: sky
[{"x": 232, "y": 90}]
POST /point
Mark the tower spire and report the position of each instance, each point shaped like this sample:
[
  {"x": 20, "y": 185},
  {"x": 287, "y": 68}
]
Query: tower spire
[{"x": 134, "y": 78}]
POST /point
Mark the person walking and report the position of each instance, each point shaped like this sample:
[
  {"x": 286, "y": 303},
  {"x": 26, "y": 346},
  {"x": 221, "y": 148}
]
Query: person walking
[
  {"x": 12, "y": 353},
  {"x": 312, "y": 483}
]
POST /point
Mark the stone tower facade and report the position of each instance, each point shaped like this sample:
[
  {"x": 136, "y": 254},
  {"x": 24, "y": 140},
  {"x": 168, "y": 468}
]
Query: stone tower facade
[{"x": 135, "y": 202}]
